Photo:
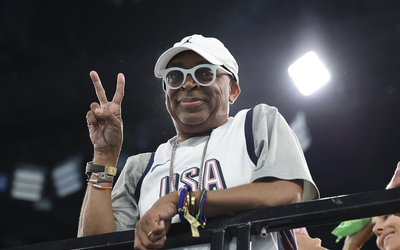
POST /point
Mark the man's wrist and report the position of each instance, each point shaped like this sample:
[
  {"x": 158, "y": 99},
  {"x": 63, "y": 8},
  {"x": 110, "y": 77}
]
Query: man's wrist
[
  {"x": 105, "y": 159},
  {"x": 108, "y": 170}
]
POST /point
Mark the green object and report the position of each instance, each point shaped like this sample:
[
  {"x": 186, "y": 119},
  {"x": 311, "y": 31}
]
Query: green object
[{"x": 349, "y": 227}]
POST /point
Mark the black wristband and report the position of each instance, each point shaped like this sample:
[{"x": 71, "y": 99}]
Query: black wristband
[{"x": 90, "y": 168}]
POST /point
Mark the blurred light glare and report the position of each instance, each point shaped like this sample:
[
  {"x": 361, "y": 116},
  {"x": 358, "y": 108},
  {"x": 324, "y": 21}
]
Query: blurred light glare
[
  {"x": 28, "y": 183},
  {"x": 302, "y": 131},
  {"x": 3, "y": 182},
  {"x": 43, "y": 205},
  {"x": 68, "y": 177},
  {"x": 309, "y": 73}
]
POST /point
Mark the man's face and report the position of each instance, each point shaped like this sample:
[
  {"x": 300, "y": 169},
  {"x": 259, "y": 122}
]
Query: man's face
[
  {"x": 387, "y": 231},
  {"x": 195, "y": 109}
]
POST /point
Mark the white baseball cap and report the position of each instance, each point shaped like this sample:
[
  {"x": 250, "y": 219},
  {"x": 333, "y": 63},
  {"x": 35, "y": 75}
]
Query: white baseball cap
[{"x": 209, "y": 48}]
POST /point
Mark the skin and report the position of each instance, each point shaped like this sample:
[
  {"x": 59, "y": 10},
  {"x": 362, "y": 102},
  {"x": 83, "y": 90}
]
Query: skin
[
  {"x": 385, "y": 225},
  {"x": 195, "y": 111},
  {"x": 307, "y": 243},
  {"x": 387, "y": 231},
  {"x": 381, "y": 226},
  {"x": 105, "y": 130},
  {"x": 356, "y": 241}
]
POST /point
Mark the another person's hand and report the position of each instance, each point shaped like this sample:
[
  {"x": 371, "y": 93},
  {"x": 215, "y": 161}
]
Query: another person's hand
[
  {"x": 395, "y": 182},
  {"x": 305, "y": 242},
  {"x": 104, "y": 122},
  {"x": 355, "y": 241},
  {"x": 152, "y": 228}
]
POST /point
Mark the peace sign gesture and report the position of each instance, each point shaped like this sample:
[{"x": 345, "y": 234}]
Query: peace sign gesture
[{"x": 104, "y": 122}]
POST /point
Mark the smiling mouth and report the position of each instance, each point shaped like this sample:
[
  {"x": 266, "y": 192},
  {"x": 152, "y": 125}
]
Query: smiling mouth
[
  {"x": 387, "y": 237},
  {"x": 187, "y": 103}
]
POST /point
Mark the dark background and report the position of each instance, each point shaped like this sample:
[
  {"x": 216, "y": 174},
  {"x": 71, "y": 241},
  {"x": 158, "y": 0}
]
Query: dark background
[{"x": 48, "y": 48}]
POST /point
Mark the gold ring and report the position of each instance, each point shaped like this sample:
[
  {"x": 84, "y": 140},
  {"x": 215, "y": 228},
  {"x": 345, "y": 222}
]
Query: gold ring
[{"x": 148, "y": 235}]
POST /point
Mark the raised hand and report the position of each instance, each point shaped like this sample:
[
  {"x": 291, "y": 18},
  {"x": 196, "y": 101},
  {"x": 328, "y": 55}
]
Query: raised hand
[
  {"x": 355, "y": 241},
  {"x": 305, "y": 242},
  {"x": 105, "y": 123},
  {"x": 395, "y": 182}
]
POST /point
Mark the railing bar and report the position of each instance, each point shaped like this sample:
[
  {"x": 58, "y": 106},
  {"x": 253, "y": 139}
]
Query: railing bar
[
  {"x": 218, "y": 240},
  {"x": 313, "y": 213},
  {"x": 243, "y": 237}
]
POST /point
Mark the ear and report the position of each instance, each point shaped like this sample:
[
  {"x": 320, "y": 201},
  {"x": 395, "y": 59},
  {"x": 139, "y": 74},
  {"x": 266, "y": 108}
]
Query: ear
[{"x": 234, "y": 91}]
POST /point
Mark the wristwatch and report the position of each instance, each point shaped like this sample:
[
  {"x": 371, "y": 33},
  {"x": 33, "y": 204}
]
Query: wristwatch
[{"x": 107, "y": 170}]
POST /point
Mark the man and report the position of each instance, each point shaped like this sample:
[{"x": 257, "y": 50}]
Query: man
[{"x": 250, "y": 161}]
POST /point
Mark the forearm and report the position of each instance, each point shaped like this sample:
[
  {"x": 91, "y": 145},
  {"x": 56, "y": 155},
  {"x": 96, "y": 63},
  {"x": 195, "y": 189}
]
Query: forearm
[
  {"x": 252, "y": 196},
  {"x": 96, "y": 213}
]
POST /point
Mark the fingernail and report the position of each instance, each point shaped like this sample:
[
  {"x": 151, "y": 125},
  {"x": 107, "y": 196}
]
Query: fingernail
[{"x": 99, "y": 111}]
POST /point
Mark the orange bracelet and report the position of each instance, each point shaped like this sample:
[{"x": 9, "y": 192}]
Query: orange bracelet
[{"x": 98, "y": 186}]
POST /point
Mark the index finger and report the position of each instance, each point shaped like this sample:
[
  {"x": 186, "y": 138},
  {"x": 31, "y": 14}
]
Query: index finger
[
  {"x": 100, "y": 92},
  {"x": 119, "y": 92}
]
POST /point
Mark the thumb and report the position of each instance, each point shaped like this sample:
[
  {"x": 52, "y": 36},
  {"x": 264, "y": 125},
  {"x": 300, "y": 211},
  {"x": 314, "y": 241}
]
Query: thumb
[{"x": 159, "y": 227}]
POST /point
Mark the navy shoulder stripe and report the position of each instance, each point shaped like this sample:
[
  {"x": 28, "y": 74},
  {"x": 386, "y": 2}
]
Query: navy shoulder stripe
[
  {"x": 139, "y": 184},
  {"x": 248, "y": 131}
]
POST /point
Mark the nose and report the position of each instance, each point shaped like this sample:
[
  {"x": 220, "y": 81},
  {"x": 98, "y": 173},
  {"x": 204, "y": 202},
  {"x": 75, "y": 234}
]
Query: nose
[
  {"x": 190, "y": 83},
  {"x": 377, "y": 229}
]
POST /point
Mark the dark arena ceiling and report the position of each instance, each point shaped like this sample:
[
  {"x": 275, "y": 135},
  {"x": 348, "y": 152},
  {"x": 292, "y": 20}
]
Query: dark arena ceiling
[{"x": 48, "y": 48}]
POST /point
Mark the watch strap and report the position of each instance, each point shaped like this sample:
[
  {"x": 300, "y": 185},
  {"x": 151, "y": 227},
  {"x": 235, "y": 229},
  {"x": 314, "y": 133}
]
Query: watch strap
[{"x": 90, "y": 168}]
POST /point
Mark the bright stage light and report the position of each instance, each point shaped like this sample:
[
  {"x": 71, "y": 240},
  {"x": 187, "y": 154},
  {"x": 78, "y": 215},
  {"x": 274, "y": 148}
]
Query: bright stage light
[{"x": 309, "y": 73}]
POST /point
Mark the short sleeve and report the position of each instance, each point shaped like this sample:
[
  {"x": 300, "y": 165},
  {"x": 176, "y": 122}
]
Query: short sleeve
[
  {"x": 278, "y": 150},
  {"x": 125, "y": 208}
]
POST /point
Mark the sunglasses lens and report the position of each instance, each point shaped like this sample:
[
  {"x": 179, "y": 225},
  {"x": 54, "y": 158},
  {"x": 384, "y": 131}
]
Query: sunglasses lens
[
  {"x": 204, "y": 75},
  {"x": 175, "y": 78}
]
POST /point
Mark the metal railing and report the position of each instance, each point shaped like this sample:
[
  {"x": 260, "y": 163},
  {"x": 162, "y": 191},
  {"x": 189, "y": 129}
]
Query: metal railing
[{"x": 220, "y": 230}]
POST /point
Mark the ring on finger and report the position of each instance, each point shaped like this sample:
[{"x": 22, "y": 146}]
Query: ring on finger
[{"x": 149, "y": 234}]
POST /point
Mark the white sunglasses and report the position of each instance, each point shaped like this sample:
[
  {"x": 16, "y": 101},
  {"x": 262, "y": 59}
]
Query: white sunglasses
[{"x": 203, "y": 74}]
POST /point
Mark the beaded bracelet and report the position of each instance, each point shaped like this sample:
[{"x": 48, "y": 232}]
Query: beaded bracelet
[
  {"x": 183, "y": 211},
  {"x": 98, "y": 186},
  {"x": 97, "y": 181},
  {"x": 181, "y": 205}
]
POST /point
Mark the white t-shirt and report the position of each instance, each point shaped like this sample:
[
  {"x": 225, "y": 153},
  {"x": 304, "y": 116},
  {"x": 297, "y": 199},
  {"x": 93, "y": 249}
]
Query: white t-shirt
[{"x": 238, "y": 153}]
